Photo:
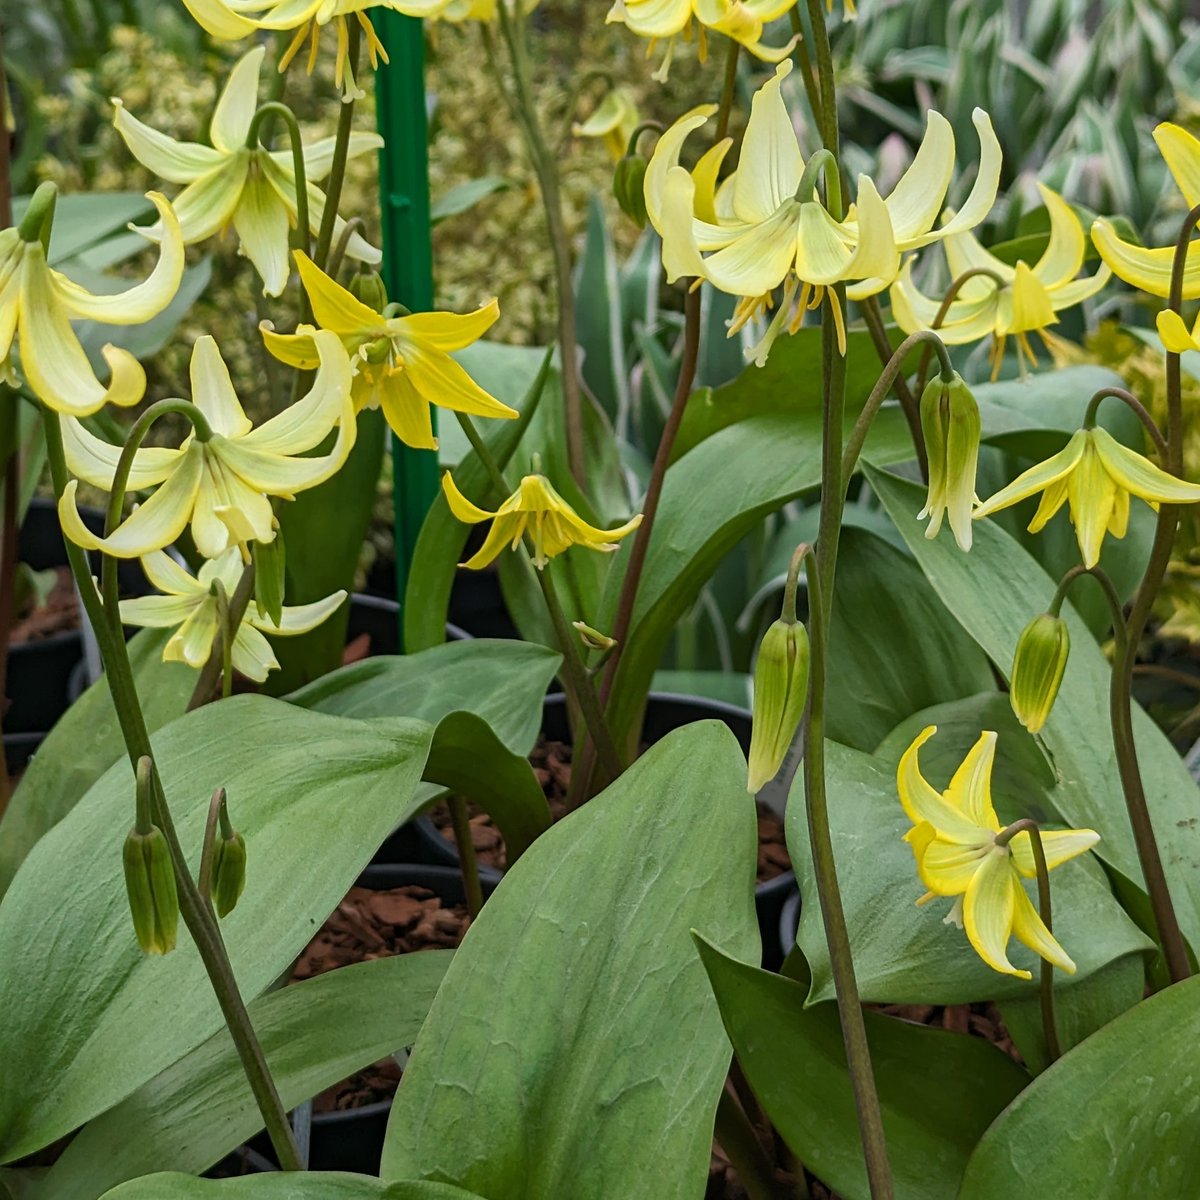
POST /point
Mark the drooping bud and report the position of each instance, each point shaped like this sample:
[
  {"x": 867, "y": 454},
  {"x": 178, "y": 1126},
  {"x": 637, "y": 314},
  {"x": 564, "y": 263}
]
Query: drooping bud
[
  {"x": 780, "y": 690},
  {"x": 368, "y": 287},
  {"x": 593, "y": 639},
  {"x": 629, "y": 183},
  {"x": 270, "y": 562},
  {"x": 228, "y": 871},
  {"x": 150, "y": 884},
  {"x": 1038, "y": 667},
  {"x": 950, "y": 424}
]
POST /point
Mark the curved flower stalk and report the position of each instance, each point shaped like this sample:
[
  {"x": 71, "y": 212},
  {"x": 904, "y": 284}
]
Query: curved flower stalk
[
  {"x": 764, "y": 227},
  {"x": 1027, "y": 299},
  {"x": 741, "y": 20},
  {"x": 37, "y": 305},
  {"x": 537, "y": 509},
  {"x": 1149, "y": 270},
  {"x": 234, "y": 182},
  {"x": 402, "y": 364},
  {"x": 614, "y": 120},
  {"x": 1095, "y": 475},
  {"x": 220, "y": 479},
  {"x": 192, "y": 603},
  {"x": 955, "y": 842}
]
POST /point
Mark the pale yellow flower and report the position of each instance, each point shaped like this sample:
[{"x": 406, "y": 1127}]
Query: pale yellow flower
[{"x": 614, "y": 120}]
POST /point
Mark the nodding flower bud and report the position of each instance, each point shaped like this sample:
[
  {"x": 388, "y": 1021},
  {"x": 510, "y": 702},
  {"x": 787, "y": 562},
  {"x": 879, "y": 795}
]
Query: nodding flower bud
[
  {"x": 368, "y": 287},
  {"x": 950, "y": 425},
  {"x": 780, "y": 689},
  {"x": 593, "y": 639},
  {"x": 629, "y": 184},
  {"x": 1038, "y": 667},
  {"x": 228, "y": 871},
  {"x": 150, "y": 884}
]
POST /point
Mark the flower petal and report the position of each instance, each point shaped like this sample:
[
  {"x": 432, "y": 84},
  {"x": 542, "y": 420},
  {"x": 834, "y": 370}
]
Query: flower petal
[
  {"x": 296, "y": 349},
  {"x": 261, "y": 221},
  {"x": 922, "y": 802},
  {"x": 1063, "y": 256},
  {"x": 770, "y": 163},
  {"x": 1139, "y": 475},
  {"x": 406, "y": 410},
  {"x": 167, "y": 575},
  {"x": 318, "y": 155},
  {"x": 176, "y": 162},
  {"x": 444, "y": 382},
  {"x": 504, "y": 530},
  {"x": 947, "y": 868},
  {"x": 1031, "y": 307},
  {"x": 206, "y": 207},
  {"x": 95, "y": 461},
  {"x": 1181, "y": 153},
  {"x": 1091, "y": 493},
  {"x": 212, "y": 389},
  {"x": 666, "y": 157},
  {"x": 237, "y": 104},
  {"x": 1176, "y": 336},
  {"x": 193, "y": 642},
  {"x": 983, "y": 193},
  {"x": 333, "y": 306},
  {"x": 988, "y": 912},
  {"x": 680, "y": 254},
  {"x": 916, "y": 201},
  {"x": 759, "y": 260},
  {"x": 1031, "y": 930},
  {"x": 1147, "y": 270},
  {"x": 1038, "y": 477},
  {"x": 158, "y": 612},
  {"x": 218, "y": 19},
  {"x": 462, "y": 508},
  {"x": 252, "y": 654},
  {"x": 970, "y": 791},
  {"x": 1059, "y": 846},
  {"x": 299, "y": 618},
  {"x": 228, "y": 510},
  {"x": 449, "y": 331}
]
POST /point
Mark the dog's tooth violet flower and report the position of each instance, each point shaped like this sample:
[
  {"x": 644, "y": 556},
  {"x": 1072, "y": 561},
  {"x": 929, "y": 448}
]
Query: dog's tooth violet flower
[
  {"x": 954, "y": 841},
  {"x": 1095, "y": 475},
  {"x": 37, "y": 305},
  {"x": 220, "y": 483},
  {"x": 537, "y": 509},
  {"x": 402, "y": 363},
  {"x": 614, "y": 119},
  {"x": 230, "y": 182}
]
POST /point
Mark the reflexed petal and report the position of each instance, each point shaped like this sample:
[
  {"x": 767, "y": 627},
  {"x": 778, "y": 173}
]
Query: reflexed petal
[
  {"x": 220, "y": 20},
  {"x": 1037, "y": 478},
  {"x": 1053, "y": 498},
  {"x": 333, "y": 306},
  {"x": 212, "y": 389},
  {"x": 924, "y": 803},
  {"x": 758, "y": 261},
  {"x": 1063, "y": 256},
  {"x": 983, "y": 194},
  {"x": 1059, "y": 845},
  {"x": 1078, "y": 290},
  {"x": 655, "y": 18},
  {"x": 504, "y": 531},
  {"x": 1091, "y": 493},
  {"x": 770, "y": 163},
  {"x": 988, "y": 912},
  {"x": 666, "y": 156},
  {"x": 252, "y": 655},
  {"x": 970, "y": 790},
  {"x": 916, "y": 201},
  {"x": 95, "y": 461},
  {"x": 166, "y": 575},
  {"x": 680, "y": 255},
  {"x": 964, "y": 253},
  {"x": 1031, "y": 930},
  {"x": 1181, "y": 153},
  {"x": 1176, "y": 336},
  {"x": 1031, "y": 307},
  {"x": 299, "y": 618},
  {"x": 318, "y": 155},
  {"x": 406, "y": 411},
  {"x": 206, "y": 207},
  {"x": 463, "y": 509},
  {"x": 1139, "y": 475},
  {"x": 238, "y": 101},
  {"x": 875, "y": 257},
  {"x": 1147, "y": 270},
  {"x": 449, "y": 331},
  {"x": 176, "y": 162},
  {"x": 705, "y": 175},
  {"x": 947, "y": 868},
  {"x": 261, "y": 221},
  {"x": 159, "y": 612},
  {"x": 442, "y": 381},
  {"x": 295, "y": 349},
  {"x": 193, "y": 642}
]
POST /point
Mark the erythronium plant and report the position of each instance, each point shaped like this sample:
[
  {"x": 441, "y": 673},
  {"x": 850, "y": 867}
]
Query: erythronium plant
[{"x": 583, "y": 956}]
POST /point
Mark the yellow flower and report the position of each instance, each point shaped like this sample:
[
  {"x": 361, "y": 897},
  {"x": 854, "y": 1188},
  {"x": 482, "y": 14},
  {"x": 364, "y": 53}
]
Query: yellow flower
[
  {"x": 741, "y": 20},
  {"x": 401, "y": 363},
  {"x": 615, "y": 119},
  {"x": 190, "y": 602},
  {"x": 1029, "y": 300},
  {"x": 954, "y": 841},
  {"x": 458, "y": 11},
  {"x": 1095, "y": 475},
  {"x": 1150, "y": 269},
  {"x": 535, "y": 507},
  {"x": 37, "y": 305},
  {"x": 220, "y": 485},
  {"x": 248, "y": 186},
  {"x": 764, "y": 226}
]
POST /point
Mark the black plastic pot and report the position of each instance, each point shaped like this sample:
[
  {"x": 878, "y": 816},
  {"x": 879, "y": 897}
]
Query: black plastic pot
[{"x": 665, "y": 712}]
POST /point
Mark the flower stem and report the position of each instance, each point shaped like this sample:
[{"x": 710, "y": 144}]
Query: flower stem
[
  {"x": 1138, "y": 409},
  {"x": 728, "y": 89},
  {"x": 276, "y": 108},
  {"x": 807, "y": 74},
  {"x": 1102, "y": 577},
  {"x": 214, "y": 669},
  {"x": 1046, "y": 979},
  {"x": 908, "y": 401},
  {"x": 467, "y": 861},
  {"x": 201, "y": 924},
  {"x": 943, "y": 311},
  {"x": 341, "y": 153}
]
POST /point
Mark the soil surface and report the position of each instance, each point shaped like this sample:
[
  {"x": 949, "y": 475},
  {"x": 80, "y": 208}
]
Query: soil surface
[{"x": 59, "y": 614}]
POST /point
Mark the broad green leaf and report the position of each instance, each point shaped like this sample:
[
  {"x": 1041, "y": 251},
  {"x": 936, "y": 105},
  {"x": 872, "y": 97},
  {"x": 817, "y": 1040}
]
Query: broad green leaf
[
  {"x": 87, "y": 1014},
  {"x": 200, "y": 1108},
  {"x": 1117, "y": 1117},
  {"x": 443, "y": 536},
  {"x": 577, "y": 996},
  {"x": 938, "y": 1090},
  {"x": 711, "y": 498},
  {"x": 316, "y": 1185},
  {"x": 994, "y": 592},
  {"x": 84, "y": 219},
  {"x": 906, "y": 954},
  {"x": 895, "y": 648},
  {"x": 465, "y": 196},
  {"x": 84, "y": 744}
]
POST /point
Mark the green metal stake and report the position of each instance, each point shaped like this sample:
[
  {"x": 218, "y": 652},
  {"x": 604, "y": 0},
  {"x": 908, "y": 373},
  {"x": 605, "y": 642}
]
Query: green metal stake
[{"x": 407, "y": 249}]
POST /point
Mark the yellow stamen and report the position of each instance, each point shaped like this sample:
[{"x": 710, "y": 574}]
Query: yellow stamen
[
  {"x": 375, "y": 48},
  {"x": 293, "y": 47},
  {"x": 312, "y": 48}
]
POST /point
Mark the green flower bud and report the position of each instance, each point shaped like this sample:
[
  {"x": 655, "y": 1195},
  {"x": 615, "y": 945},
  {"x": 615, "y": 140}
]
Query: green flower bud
[
  {"x": 593, "y": 639},
  {"x": 1038, "y": 667},
  {"x": 150, "y": 884},
  {"x": 950, "y": 424},
  {"x": 368, "y": 287},
  {"x": 780, "y": 689},
  {"x": 228, "y": 871},
  {"x": 629, "y": 181}
]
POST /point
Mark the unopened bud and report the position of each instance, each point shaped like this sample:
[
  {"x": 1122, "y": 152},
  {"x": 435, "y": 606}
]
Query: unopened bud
[
  {"x": 367, "y": 286},
  {"x": 593, "y": 639},
  {"x": 629, "y": 184},
  {"x": 950, "y": 425},
  {"x": 1038, "y": 667},
  {"x": 150, "y": 884},
  {"x": 780, "y": 689},
  {"x": 228, "y": 871}
]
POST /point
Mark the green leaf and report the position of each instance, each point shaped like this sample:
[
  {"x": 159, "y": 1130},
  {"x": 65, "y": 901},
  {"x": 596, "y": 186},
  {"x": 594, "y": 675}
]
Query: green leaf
[
  {"x": 599, "y": 321},
  {"x": 895, "y": 648},
  {"x": 938, "y": 1090},
  {"x": 907, "y": 955},
  {"x": 442, "y": 537},
  {"x": 712, "y": 497},
  {"x": 578, "y": 996},
  {"x": 465, "y": 196},
  {"x": 83, "y": 220},
  {"x": 994, "y": 592},
  {"x": 86, "y": 1014},
  {"x": 199, "y": 1109},
  {"x": 318, "y": 1185},
  {"x": 1118, "y": 1116},
  {"x": 84, "y": 743}
]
